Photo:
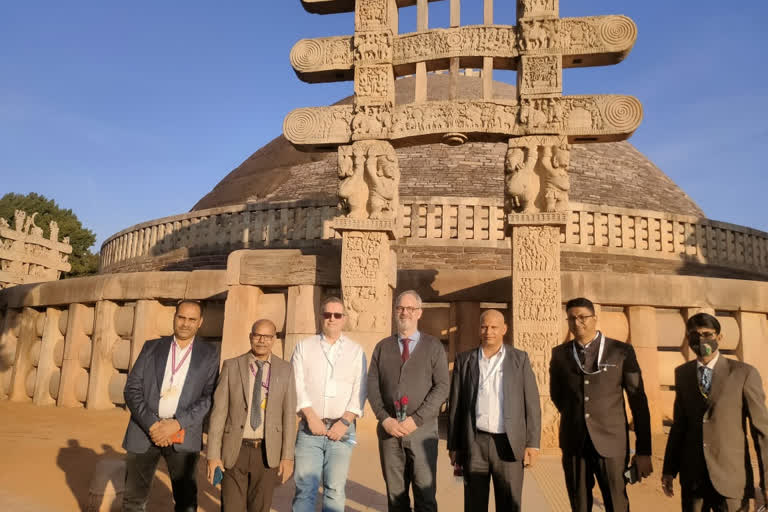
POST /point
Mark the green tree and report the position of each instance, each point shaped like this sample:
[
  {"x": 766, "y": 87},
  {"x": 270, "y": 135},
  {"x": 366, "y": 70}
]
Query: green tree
[{"x": 83, "y": 261}]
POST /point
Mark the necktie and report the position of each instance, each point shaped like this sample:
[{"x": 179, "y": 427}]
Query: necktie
[
  {"x": 256, "y": 398},
  {"x": 705, "y": 380},
  {"x": 406, "y": 350}
]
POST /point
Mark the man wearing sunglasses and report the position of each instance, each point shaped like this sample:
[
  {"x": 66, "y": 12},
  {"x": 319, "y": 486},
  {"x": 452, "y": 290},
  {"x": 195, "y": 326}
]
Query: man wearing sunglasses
[
  {"x": 330, "y": 372},
  {"x": 253, "y": 424},
  {"x": 589, "y": 376},
  {"x": 707, "y": 443}
]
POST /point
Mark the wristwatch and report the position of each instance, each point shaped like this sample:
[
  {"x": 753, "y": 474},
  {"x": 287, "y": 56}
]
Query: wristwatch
[{"x": 344, "y": 421}]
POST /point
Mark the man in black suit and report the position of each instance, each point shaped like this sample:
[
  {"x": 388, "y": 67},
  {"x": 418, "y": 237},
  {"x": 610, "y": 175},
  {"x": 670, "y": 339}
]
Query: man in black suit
[
  {"x": 494, "y": 426},
  {"x": 707, "y": 443},
  {"x": 588, "y": 378},
  {"x": 168, "y": 392}
]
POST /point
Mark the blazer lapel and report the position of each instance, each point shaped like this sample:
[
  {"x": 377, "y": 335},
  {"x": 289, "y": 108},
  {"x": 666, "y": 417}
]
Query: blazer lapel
[
  {"x": 242, "y": 364},
  {"x": 473, "y": 375},
  {"x": 161, "y": 359},
  {"x": 719, "y": 376},
  {"x": 195, "y": 360},
  {"x": 511, "y": 365}
]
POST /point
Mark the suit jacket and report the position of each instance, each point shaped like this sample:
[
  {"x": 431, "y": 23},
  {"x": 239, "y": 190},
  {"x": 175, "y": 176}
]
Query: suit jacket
[
  {"x": 594, "y": 404},
  {"x": 142, "y": 393},
  {"x": 709, "y": 435},
  {"x": 522, "y": 411},
  {"x": 230, "y": 412},
  {"x": 423, "y": 379}
]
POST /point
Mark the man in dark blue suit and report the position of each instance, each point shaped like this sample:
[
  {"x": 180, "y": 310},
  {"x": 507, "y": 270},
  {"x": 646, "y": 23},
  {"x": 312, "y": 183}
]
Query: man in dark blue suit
[{"x": 168, "y": 392}]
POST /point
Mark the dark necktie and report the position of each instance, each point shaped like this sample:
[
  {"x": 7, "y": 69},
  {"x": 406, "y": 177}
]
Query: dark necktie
[
  {"x": 406, "y": 349},
  {"x": 705, "y": 380},
  {"x": 256, "y": 399}
]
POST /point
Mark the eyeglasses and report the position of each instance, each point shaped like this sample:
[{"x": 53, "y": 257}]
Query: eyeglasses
[
  {"x": 409, "y": 309},
  {"x": 709, "y": 335},
  {"x": 581, "y": 319},
  {"x": 262, "y": 337},
  {"x": 327, "y": 315}
]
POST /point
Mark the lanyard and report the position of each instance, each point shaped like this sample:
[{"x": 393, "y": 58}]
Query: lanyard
[
  {"x": 599, "y": 356},
  {"x": 174, "y": 368},
  {"x": 494, "y": 367},
  {"x": 269, "y": 375}
]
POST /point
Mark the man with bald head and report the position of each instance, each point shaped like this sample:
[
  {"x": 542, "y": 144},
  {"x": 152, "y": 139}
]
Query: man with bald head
[
  {"x": 253, "y": 424},
  {"x": 494, "y": 425}
]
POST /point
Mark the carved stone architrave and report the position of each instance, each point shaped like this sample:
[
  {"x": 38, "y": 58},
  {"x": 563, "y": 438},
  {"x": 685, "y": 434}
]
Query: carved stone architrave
[
  {"x": 368, "y": 273},
  {"x": 536, "y": 302},
  {"x": 599, "y": 118}
]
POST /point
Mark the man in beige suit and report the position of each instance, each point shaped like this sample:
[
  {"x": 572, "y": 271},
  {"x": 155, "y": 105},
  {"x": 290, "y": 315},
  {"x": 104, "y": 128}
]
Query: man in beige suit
[
  {"x": 253, "y": 424},
  {"x": 707, "y": 445}
]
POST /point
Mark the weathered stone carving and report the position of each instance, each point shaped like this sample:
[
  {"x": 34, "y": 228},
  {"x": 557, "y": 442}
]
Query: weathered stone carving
[
  {"x": 370, "y": 179},
  {"x": 555, "y": 161},
  {"x": 539, "y": 34},
  {"x": 606, "y": 118},
  {"x": 528, "y": 8},
  {"x": 608, "y": 38},
  {"x": 27, "y": 257},
  {"x": 371, "y": 15},
  {"x": 541, "y": 75},
  {"x": 522, "y": 184},
  {"x": 375, "y": 81}
]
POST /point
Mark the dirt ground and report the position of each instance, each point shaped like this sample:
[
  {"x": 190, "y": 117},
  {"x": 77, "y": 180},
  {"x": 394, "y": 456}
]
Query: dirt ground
[{"x": 49, "y": 455}]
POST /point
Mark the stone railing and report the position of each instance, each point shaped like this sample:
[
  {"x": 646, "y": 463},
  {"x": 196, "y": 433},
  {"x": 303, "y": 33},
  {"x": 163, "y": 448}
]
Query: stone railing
[{"x": 445, "y": 221}]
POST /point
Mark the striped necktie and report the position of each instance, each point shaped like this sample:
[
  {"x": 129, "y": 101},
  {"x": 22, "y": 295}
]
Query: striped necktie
[{"x": 705, "y": 380}]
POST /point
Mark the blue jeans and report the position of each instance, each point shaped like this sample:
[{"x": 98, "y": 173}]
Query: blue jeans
[{"x": 318, "y": 460}]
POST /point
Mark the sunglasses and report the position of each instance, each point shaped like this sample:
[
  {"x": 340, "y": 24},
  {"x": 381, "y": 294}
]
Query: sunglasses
[{"x": 327, "y": 315}]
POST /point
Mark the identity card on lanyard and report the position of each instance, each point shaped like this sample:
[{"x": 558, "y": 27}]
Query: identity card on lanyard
[
  {"x": 174, "y": 390},
  {"x": 600, "y": 367}
]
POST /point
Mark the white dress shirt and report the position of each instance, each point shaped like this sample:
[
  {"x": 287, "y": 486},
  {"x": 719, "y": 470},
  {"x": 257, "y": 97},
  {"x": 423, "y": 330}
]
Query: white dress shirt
[
  {"x": 490, "y": 392},
  {"x": 170, "y": 393},
  {"x": 330, "y": 378},
  {"x": 710, "y": 365}
]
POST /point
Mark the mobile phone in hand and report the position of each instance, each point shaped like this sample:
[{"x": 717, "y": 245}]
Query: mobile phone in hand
[{"x": 218, "y": 475}]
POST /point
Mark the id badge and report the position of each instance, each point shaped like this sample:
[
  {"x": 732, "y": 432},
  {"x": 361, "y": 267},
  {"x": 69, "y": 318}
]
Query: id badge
[{"x": 330, "y": 388}]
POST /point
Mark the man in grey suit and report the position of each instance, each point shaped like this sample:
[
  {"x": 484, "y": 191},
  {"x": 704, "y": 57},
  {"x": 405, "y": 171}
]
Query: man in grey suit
[
  {"x": 410, "y": 365},
  {"x": 253, "y": 424},
  {"x": 707, "y": 445},
  {"x": 168, "y": 392},
  {"x": 494, "y": 426}
]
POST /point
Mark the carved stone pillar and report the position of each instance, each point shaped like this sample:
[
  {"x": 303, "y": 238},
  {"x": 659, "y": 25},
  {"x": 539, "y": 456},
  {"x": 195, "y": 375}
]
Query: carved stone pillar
[
  {"x": 368, "y": 276},
  {"x": 536, "y": 303}
]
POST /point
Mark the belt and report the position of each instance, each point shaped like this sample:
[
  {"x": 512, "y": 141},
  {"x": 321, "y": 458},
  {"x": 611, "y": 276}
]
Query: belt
[
  {"x": 329, "y": 421},
  {"x": 253, "y": 442}
]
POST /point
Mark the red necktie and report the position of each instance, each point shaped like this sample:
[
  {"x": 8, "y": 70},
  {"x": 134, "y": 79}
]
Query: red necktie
[{"x": 406, "y": 351}]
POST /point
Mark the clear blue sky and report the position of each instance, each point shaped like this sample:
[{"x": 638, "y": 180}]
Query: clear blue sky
[{"x": 130, "y": 111}]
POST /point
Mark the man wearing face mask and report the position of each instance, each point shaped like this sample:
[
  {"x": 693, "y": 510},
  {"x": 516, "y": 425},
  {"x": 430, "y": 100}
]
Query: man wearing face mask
[{"x": 714, "y": 397}]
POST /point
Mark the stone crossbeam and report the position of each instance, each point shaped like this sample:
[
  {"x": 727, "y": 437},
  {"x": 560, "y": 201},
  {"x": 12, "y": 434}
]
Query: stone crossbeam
[
  {"x": 338, "y": 6},
  {"x": 580, "y": 42},
  {"x": 600, "y": 118}
]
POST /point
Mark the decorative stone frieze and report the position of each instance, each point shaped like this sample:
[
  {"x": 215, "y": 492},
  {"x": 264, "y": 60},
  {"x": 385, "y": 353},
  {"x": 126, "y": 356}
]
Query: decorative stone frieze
[
  {"x": 597, "y": 118},
  {"x": 587, "y": 41}
]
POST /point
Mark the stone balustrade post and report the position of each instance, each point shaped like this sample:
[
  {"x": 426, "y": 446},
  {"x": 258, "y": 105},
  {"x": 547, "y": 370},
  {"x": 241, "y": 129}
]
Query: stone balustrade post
[
  {"x": 25, "y": 363},
  {"x": 644, "y": 338},
  {"x": 73, "y": 385},
  {"x": 102, "y": 369},
  {"x": 46, "y": 365}
]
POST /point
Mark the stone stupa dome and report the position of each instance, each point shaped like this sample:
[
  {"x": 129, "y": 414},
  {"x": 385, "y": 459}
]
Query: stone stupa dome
[{"x": 610, "y": 174}]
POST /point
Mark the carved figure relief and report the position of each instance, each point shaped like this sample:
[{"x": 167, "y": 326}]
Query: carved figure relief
[
  {"x": 373, "y": 47},
  {"x": 541, "y": 75},
  {"x": 536, "y": 248},
  {"x": 370, "y": 180},
  {"x": 521, "y": 182},
  {"x": 578, "y": 34},
  {"x": 370, "y": 15},
  {"x": 555, "y": 160},
  {"x": 375, "y": 81},
  {"x": 539, "y": 34},
  {"x": 371, "y": 121},
  {"x": 527, "y": 8}
]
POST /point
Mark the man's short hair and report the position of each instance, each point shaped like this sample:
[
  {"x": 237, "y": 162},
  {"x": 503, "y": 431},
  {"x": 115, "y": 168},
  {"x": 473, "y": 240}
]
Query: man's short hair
[
  {"x": 413, "y": 294},
  {"x": 702, "y": 320},
  {"x": 332, "y": 300},
  {"x": 197, "y": 303},
  {"x": 264, "y": 321},
  {"x": 580, "y": 302}
]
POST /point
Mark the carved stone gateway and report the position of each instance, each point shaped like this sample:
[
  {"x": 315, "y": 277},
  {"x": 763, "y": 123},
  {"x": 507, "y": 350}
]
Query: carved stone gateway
[
  {"x": 539, "y": 128},
  {"x": 28, "y": 257}
]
